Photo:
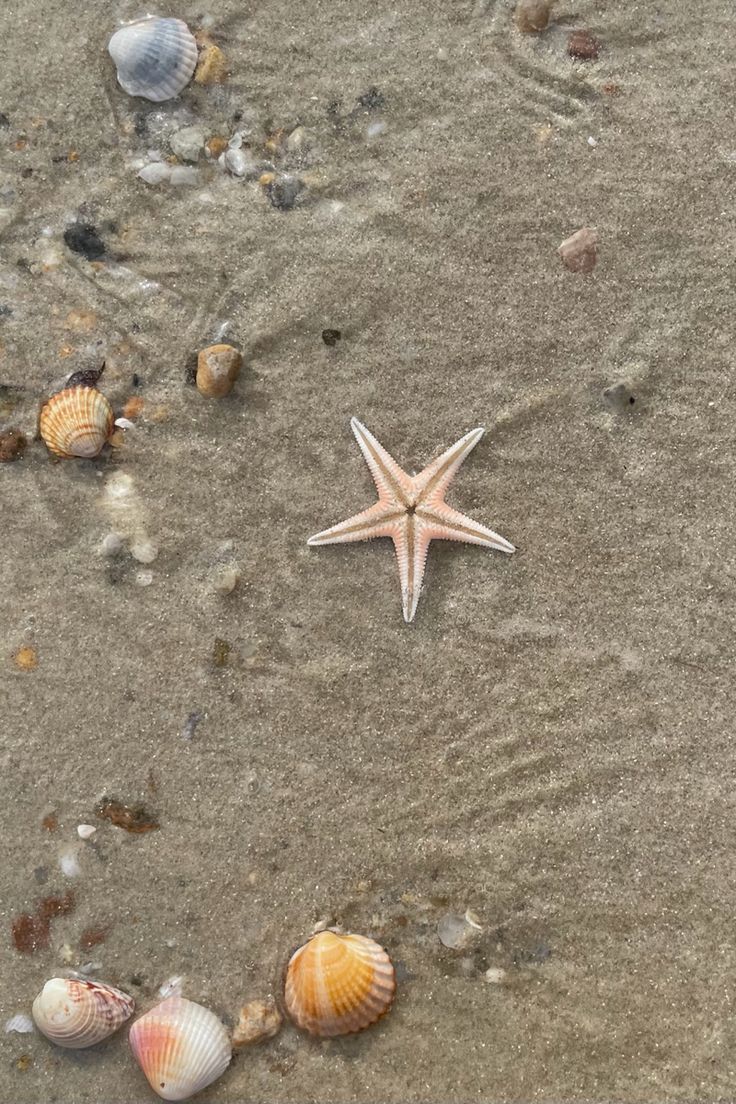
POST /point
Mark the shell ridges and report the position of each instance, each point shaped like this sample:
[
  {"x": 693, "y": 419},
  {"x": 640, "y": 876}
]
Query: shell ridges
[
  {"x": 77, "y": 1012},
  {"x": 155, "y": 57},
  {"x": 337, "y": 984},
  {"x": 76, "y": 422},
  {"x": 181, "y": 1047}
]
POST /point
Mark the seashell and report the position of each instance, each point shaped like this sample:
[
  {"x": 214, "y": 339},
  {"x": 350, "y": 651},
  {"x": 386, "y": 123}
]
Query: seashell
[
  {"x": 218, "y": 366},
  {"x": 258, "y": 1020},
  {"x": 76, "y": 422},
  {"x": 181, "y": 1047},
  {"x": 337, "y": 984},
  {"x": 155, "y": 58},
  {"x": 76, "y": 1013}
]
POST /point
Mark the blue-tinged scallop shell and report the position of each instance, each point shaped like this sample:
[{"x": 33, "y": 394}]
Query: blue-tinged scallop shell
[{"x": 155, "y": 57}]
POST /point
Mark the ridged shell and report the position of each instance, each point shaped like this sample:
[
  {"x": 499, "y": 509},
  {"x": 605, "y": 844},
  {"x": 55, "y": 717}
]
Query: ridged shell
[
  {"x": 77, "y": 1013},
  {"x": 181, "y": 1047},
  {"x": 336, "y": 984},
  {"x": 76, "y": 422},
  {"x": 155, "y": 58}
]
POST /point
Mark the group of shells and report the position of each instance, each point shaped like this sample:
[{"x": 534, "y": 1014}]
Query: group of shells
[{"x": 336, "y": 984}]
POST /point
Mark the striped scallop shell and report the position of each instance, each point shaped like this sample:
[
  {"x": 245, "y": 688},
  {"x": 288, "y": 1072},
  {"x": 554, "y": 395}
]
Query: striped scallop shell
[
  {"x": 155, "y": 58},
  {"x": 76, "y": 422},
  {"x": 76, "y": 1013},
  {"x": 181, "y": 1047},
  {"x": 336, "y": 984}
]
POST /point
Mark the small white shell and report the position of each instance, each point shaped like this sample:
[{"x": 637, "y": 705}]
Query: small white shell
[
  {"x": 155, "y": 58},
  {"x": 76, "y": 1013},
  {"x": 181, "y": 1047}
]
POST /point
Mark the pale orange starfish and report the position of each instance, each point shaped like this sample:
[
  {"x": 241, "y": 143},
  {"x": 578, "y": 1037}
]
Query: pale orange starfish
[{"x": 411, "y": 509}]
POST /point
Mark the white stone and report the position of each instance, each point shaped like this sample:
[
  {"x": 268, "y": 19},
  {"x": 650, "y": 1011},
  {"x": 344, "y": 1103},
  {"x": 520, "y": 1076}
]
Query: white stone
[
  {"x": 144, "y": 551},
  {"x": 188, "y": 142},
  {"x": 156, "y": 173},
  {"x": 184, "y": 175},
  {"x": 86, "y": 831}
]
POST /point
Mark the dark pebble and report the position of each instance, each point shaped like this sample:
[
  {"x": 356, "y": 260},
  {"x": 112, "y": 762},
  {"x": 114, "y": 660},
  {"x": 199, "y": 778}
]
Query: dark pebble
[
  {"x": 583, "y": 46},
  {"x": 12, "y": 445},
  {"x": 82, "y": 238},
  {"x": 4, "y": 120},
  {"x": 619, "y": 397},
  {"x": 284, "y": 191},
  {"x": 331, "y": 337}
]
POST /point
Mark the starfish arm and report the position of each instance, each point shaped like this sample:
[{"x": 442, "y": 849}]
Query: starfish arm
[
  {"x": 432, "y": 483},
  {"x": 444, "y": 523},
  {"x": 411, "y": 542},
  {"x": 377, "y": 521},
  {"x": 392, "y": 482}
]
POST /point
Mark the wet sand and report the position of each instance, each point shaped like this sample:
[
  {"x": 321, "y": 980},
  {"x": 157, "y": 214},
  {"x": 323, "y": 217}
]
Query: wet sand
[{"x": 550, "y": 743}]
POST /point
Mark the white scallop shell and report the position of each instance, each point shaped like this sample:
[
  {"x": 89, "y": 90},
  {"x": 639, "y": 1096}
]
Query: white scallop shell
[
  {"x": 155, "y": 58},
  {"x": 181, "y": 1047},
  {"x": 77, "y": 1013}
]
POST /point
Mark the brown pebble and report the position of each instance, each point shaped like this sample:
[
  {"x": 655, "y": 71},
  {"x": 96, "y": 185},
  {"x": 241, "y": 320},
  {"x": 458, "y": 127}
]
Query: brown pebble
[
  {"x": 610, "y": 88},
  {"x": 26, "y": 658},
  {"x": 50, "y": 822},
  {"x": 23, "y": 1063},
  {"x": 12, "y": 445},
  {"x": 212, "y": 67},
  {"x": 133, "y": 818},
  {"x": 532, "y": 15},
  {"x": 217, "y": 369},
  {"x": 583, "y": 46},
  {"x": 221, "y": 652},
  {"x": 215, "y": 146},
  {"x": 579, "y": 252},
  {"x": 259, "y": 1020}
]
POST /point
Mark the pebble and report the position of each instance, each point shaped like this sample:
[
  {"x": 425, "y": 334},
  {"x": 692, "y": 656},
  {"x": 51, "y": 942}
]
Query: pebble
[
  {"x": 172, "y": 987},
  {"x": 144, "y": 578},
  {"x": 188, "y": 143},
  {"x": 12, "y": 445},
  {"x": 239, "y": 162},
  {"x": 144, "y": 551},
  {"x": 212, "y": 67},
  {"x": 458, "y": 932},
  {"x": 111, "y": 544},
  {"x": 215, "y": 146},
  {"x": 583, "y": 46},
  {"x": 156, "y": 173},
  {"x": 258, "y": 1020},
  {"x": 532, "y": 15},
  {"x": 26, "y": 658},
  {"x": 226, "y": 580},
  {"x": 331, "y": 337},
  {"x": 86, "y": 831},
  {"x": 494, "y": 975},
  {"x": 283, "y": 190},
  {"x": 579, "y": 252},
  {"x": 218, "y": 367},
  {"x": 82, "y": 238},
  {"x": 298, "y": 141}
]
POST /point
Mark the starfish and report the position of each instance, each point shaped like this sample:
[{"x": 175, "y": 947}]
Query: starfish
[{"x": 411, "y": 509}]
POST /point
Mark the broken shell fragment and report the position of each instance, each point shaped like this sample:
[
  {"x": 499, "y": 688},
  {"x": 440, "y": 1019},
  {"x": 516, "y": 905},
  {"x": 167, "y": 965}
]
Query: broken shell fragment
[
  {"x": 155, "y": 58},
  {"x": 181, "y": 1047},
  {"x": 218, "y": 367},
  {"x": 77, "y": 1013},
  {"x": 258, "y": 1020},
  {"x": 579, "y": 252},
  {"x": 76, "y": 422},
  {"x": 337, "y": 984},
  {"x": 212, "y": 67}
]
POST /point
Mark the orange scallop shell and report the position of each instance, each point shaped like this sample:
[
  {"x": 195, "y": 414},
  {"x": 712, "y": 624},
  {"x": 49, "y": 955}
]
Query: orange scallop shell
[
  {"x": 76, "y": 422},
  {"x": 337, "y": 984}
]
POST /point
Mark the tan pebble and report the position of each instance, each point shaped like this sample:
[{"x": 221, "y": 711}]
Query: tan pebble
[
  {"x": 218, "y": 367},
  {"x": 226, "y": 580},
  {"x": 72, "y": 156},
  {"x": 66, "y": 351},
  {"x": 266, "y": 178},
  {"x": 215, "y": 146},
  {"x": 259, "y": 1020},
  {"x": 298, "y": 141},
  {"x": 532, "y": 15},
  {"x": 212, "y": 67},
  {"x": 26, "y": 658},
  {"x": 274, "y": 144},
  {"x": 579, "y": 252},
  {"x": 81, "y": 320},
  {"x": 133, "y": 406},
  {"x": 116, "y": 439},
  {"x": 12, "y": 444}
]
